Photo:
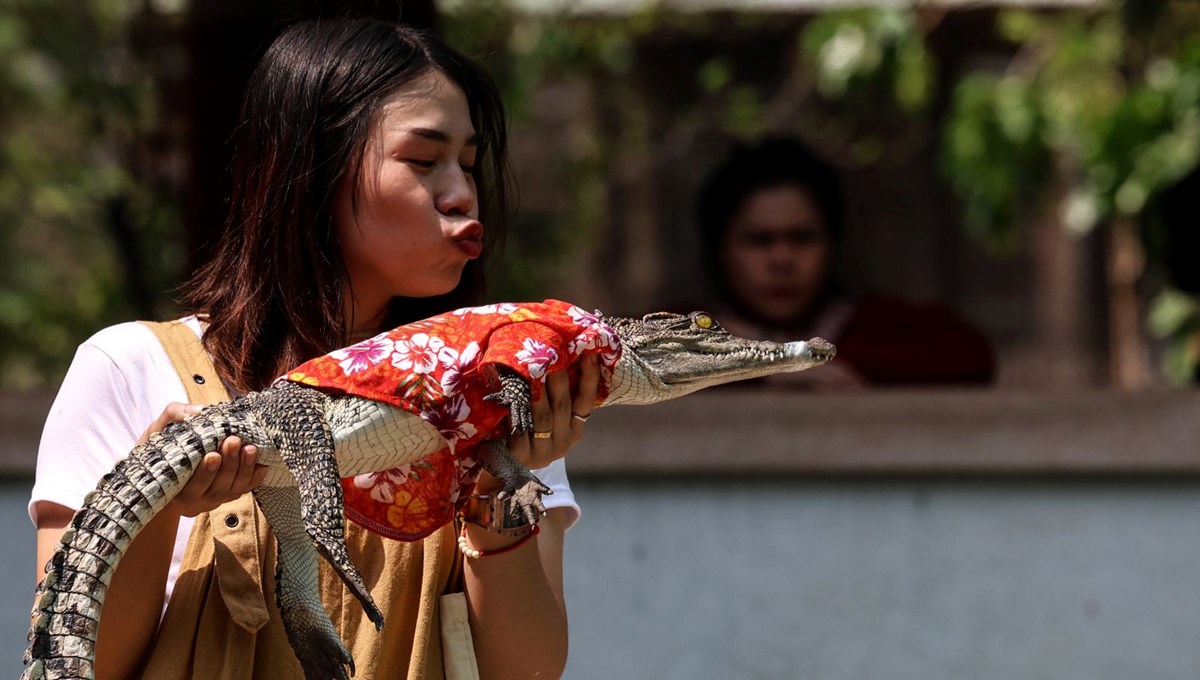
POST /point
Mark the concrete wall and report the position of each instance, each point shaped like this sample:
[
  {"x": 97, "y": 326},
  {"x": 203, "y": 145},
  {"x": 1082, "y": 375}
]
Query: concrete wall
[
  {"x": 890, "y": 579},
  {"x": 17, "y": 573},
  {"x": 895, "y": 579}
]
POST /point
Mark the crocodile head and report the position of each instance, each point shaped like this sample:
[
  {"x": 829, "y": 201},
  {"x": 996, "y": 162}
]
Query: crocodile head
[{"x": 669, "y": 355}]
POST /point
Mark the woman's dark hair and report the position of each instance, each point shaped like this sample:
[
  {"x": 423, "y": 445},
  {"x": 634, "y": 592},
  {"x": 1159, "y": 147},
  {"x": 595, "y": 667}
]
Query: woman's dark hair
[
  {"x": 769, "y": 163},
  {"x": 275, "y": 289}
]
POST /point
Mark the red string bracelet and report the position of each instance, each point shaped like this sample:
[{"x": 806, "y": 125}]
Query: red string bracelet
[{"x": 475, "y": 553}]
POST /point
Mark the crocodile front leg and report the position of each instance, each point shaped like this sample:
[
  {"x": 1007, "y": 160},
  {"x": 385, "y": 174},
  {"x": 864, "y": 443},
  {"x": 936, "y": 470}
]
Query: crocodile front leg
[{"x": 494, "y": 456}]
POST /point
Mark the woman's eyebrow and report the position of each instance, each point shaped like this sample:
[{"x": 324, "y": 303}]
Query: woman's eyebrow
[{"x": 440, "y": 136}]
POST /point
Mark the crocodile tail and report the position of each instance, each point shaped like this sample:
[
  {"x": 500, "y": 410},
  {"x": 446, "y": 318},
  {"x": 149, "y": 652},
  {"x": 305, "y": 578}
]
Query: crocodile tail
[{"x": 66, "y": 612}]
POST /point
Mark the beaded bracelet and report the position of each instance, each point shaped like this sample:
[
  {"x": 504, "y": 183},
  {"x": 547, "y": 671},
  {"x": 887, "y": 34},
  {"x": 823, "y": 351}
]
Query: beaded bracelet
[{"x": 474, "y": 553}]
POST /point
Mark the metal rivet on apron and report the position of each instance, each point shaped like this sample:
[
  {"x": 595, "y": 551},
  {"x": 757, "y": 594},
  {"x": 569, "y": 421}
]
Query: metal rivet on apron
[
  {"x": 198, "y": 378},
  {"x": 231, "y": 521}
]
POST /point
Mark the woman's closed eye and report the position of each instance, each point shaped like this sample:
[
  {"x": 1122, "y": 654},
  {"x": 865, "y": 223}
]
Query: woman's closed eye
[{"x": 423, "y": 164}]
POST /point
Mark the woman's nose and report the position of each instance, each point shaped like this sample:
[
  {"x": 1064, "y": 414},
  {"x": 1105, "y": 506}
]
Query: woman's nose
[{"x": 457, "y": 194}]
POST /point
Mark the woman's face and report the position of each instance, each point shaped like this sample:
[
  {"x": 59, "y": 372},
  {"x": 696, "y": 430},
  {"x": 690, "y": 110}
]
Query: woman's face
[
  {"x": 776, "y": 254},
  {"x": 415, "y": 224}
]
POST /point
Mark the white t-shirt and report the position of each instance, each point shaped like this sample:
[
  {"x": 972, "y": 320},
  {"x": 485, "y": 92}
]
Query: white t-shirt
[{"x": 119, "y": 382}]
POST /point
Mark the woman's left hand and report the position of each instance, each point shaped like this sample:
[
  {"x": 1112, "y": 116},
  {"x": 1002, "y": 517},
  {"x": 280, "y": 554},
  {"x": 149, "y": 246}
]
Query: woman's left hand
[{"x": 559, "y": 414}]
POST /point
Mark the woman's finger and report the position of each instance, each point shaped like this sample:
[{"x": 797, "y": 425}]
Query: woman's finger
[
  {"x": 541, "y": 439},
  {"x": 558, "y": 391},
  {"x": 231, "y": 462},
  {"x": 586, "y": 391},
  {"x": 243, "y": 480},
  {"x": 198, "y": 485}
]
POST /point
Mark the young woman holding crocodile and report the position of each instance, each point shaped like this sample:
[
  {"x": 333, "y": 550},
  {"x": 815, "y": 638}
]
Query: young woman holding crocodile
[{"x": 369, "y": 161}]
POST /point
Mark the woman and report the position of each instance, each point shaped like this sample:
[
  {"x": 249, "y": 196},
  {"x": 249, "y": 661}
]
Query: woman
[
  {"x": 771, "y": 221},
  {"x": 368, "y": 191}
]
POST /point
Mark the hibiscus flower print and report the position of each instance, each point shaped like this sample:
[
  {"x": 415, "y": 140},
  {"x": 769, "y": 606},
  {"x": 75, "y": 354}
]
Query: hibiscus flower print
[
  {"x": 582, "y": 318},
  {"x": 449, "y": 416},
  {"x": 599, "y": 336},
  {"x": 359, "y": 357},
  {"x": 456, "y": 364},
  {"x": 503, "y": 308},
  {"x": 537, "y": 356},
  {"x": 383, "y": 484},
  {"x": 418, "y": 353}
]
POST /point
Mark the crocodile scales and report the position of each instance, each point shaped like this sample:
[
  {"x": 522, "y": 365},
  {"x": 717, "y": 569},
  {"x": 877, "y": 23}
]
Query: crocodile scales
[{"x": 447, "y": 388}]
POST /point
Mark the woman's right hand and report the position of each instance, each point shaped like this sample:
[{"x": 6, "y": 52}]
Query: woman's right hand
[{"x": 222, "y": 476}]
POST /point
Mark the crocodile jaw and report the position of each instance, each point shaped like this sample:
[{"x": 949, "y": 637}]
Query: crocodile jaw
[{"x": 653, "y": 373}]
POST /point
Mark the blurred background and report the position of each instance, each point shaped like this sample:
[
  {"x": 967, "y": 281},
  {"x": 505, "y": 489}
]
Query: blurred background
[{"x": 1029, "y": 167}]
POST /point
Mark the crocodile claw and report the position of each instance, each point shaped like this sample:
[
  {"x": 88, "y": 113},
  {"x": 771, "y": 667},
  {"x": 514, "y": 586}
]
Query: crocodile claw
[
  {"x": 527, "y": 499},
  {"x": 515, "y": 394}
]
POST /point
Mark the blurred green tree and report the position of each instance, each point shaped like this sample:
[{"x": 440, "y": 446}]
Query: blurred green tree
[
  {"x": 1102, "y": 107},
  {"x": 89, "y": 223}
]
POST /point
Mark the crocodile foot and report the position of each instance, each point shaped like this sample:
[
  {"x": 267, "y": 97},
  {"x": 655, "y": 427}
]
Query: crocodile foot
[
  {"x": 527, "y": 499},
  {"x": 318, "y": 648},
  {"x": 520, "y": 485},
  {"x": 514, "y": 394}
]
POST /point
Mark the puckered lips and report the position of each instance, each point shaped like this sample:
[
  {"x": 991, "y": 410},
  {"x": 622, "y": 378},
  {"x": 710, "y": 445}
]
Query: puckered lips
[{"x": 469, "y": 239}]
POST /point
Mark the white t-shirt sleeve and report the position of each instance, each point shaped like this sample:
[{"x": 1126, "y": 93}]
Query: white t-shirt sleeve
[{"x": 118, "y": 383}]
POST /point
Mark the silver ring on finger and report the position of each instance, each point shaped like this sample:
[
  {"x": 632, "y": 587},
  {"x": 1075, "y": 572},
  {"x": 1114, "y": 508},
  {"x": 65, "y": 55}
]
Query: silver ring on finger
[{"x": 579, "y": 417}]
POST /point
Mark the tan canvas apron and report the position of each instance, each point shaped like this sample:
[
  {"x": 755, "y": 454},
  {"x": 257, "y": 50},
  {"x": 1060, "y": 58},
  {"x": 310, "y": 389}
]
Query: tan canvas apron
[{"x": 222, "y": 623}]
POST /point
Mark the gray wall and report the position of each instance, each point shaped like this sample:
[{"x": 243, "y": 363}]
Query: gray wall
[
  {"x": 17, "y": 573},
  {"x": 893, "y": 579},
  {"x": 857, "y": 579}
]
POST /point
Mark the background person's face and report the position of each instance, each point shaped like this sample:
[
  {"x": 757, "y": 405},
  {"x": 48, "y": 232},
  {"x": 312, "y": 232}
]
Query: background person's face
[{"x": 776, "y": 254}]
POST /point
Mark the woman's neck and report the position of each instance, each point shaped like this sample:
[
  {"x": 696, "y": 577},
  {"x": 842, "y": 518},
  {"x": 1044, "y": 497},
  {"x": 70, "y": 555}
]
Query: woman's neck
[{"x": 365, "y": 318}]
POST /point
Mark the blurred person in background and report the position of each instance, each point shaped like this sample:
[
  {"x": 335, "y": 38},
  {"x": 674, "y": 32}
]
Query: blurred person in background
[{"x": 771, "y": 221}]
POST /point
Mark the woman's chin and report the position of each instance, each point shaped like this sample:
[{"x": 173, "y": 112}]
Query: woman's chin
[{"x": 431, "y": 290}]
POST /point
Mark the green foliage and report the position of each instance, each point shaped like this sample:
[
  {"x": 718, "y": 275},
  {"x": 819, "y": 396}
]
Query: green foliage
[
  {"x": 73, "y": 208},
  {"x": 870, "y": 55},
  {"x": 1175, "y": 317},
  {"x": 996, "y": 155},
  {"x": 873, "y": 80},
  {"x": 1117, "y": 113},
  {"x": 1094, "y": 103}
]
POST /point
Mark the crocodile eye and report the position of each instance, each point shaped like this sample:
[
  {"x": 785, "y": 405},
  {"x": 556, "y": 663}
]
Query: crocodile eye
[{"x": 704, "y": 321}]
